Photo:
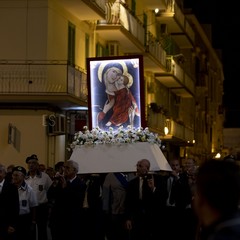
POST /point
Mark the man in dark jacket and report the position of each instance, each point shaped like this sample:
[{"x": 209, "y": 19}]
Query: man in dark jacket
[
  {"x": 67, "y": 211},
  {"x": 145, "y": 200},
  {"x": 9, "y": 206},
  {"x": 178, "y": 200}
]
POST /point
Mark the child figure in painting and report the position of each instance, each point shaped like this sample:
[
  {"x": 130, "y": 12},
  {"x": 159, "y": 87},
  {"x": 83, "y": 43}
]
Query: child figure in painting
[{"x": 125, "y": 107}]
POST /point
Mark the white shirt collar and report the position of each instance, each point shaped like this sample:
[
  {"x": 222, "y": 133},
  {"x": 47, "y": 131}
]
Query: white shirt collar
[
  {"x": 1, "y": 183},
  {"x": 72, "y": 179}
]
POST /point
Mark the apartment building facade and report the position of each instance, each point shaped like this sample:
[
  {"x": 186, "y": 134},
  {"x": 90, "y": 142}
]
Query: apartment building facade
[{"x": 43, "y": 74}]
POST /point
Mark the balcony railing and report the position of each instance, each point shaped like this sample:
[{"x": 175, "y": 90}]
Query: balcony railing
[
  {"x": 155, "y": 49},
  {"x": 119, "y": 14},
  {"x": 177, "y": 23},
  {"x": 179, "y": 15},
  {"x": 157, "y": 122},
  {"x": 98, "y": 3},
  {"x": 42, "y": 77},
  {"x": 189, "y": 31},
  {"x": 179, "y": 72},
  {"x": 169, "y": 45},
  {"x": 181, "y": 132},
  {"x": 189, "y": 83}
]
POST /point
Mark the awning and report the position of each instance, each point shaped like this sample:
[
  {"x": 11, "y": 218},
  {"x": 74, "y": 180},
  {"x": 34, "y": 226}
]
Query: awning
[{"x": 106, "y": 158}]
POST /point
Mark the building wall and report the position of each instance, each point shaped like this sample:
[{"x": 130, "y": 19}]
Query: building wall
[
  {"x": 38, "y": 30},
  {"x": 23, "y": 27},
  {"x": 31, "y": 138}
]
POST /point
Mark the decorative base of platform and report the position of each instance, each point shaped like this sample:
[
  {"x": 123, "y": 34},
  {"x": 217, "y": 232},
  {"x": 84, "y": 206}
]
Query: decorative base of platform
[{"x": 118, "y": 158}]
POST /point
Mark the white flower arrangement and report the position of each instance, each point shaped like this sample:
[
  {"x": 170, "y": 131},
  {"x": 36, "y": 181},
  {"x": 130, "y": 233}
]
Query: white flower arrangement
[{"x": 117, "y": 136}]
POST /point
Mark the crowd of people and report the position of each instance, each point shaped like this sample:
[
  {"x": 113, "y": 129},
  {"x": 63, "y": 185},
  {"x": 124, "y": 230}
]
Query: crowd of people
[{"x": 190, "y": 202}]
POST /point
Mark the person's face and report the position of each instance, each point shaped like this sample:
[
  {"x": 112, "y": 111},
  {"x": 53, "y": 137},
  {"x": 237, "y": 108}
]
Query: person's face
[
  {"x": 121, "y": 80},
  {"x": 10, "y": 168},
  {"x": 190, "y": 167},
  {"x": 142, "y": 168},
  {"x": 175, "y": 165},
  {"x": 42, "y": 168},
  {"x": 189, "y": 164},
  {"x": 69, "y": 171},
  {"x": 17, "y": 178},
  {"x": 61, "y": 170},
  {"x": 114, "y": 74},
  {"x": 32, "y": 165},
  {"x": 50, "y": 172}
]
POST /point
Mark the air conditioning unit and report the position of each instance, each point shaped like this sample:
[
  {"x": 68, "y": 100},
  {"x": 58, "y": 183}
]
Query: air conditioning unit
[
  {"x": 113, "y": 48},
  {"x": 56, "y": 124}
]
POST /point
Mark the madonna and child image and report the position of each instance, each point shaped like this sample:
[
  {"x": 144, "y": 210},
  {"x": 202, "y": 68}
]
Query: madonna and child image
[{"x": 115, "y": 93}]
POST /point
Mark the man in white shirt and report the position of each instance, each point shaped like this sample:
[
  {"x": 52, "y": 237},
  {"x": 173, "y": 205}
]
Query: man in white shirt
[
  {"x": 27, "y": 204},
  {"x": 40, "y": 183}
]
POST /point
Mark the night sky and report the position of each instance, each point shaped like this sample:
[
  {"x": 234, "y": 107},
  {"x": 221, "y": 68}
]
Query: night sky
[{"x": 225, "y": 24}]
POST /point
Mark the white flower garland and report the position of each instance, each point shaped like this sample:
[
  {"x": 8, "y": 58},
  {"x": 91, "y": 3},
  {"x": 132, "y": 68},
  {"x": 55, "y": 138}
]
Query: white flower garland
[{"x": 121, "y": 135}]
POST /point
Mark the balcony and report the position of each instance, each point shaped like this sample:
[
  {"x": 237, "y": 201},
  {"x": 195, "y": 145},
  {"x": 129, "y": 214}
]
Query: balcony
[
  {"x": 155, "y": 59},
  {"x": 176, "y": 79},
  {"x": 176, "y": 131},
  {"x": 47, "y": 83},
  {"x": 177, "y": 24},
  {"x": 156, "y": 121},
  {"x": 85, "y": 9},
  {"x": 121, "y": 25},
  {"x": 128, "y": 31},
  {"x": 169, "y": 45}
]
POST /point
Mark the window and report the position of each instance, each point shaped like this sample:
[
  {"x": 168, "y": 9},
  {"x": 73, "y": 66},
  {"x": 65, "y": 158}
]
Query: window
[
  {"x": 87, "y": 43},
  {"x": 71, "y": 44}
]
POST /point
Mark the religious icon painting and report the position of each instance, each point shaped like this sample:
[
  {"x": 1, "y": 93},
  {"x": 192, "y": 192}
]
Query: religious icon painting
[{"x": 115, "y": 92}]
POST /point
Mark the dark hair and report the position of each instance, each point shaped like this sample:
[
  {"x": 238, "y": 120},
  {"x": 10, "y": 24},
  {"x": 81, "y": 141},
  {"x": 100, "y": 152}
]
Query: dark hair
[
  {"x": 32, "y": 157},
  {"x": 58, "y": 165},
  {"x": 219, "y": 183}
]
